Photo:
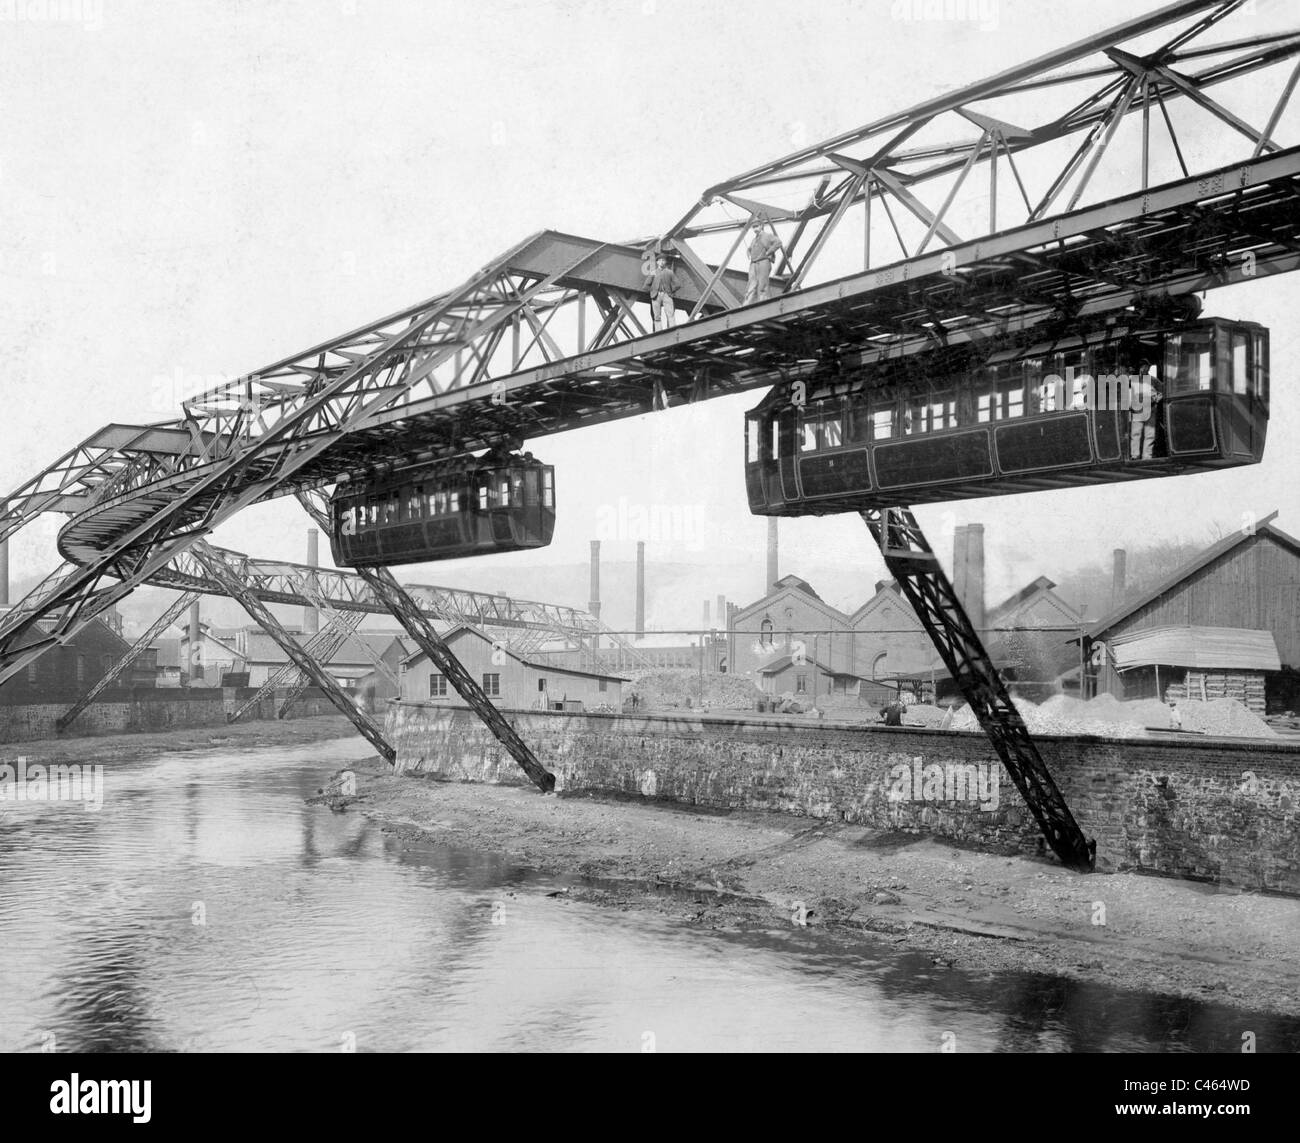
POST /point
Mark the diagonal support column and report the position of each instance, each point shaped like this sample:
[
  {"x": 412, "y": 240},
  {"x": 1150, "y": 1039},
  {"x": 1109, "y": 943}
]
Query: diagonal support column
[
  {"x": 908, "y": 556},
  {"x": 159, "y": 625},
  {"x": 233, "y": 586},
  {"x": 408, "y": 614}
]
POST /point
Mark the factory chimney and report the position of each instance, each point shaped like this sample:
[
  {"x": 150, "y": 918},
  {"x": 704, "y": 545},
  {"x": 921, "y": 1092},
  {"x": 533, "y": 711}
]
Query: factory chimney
[
  {"x": 640, "y": 589},
  {"x": 310, "y": 614},
  {"x": 722, "y": 612},
  {"x": 704, "y": 624},
  {"x": 195, "y": 665},
  {"x": 593, "y": 605},
  {"x": 974, "y": 599},
  {"x": 968, "y": 571},
  {"x": 772, "y": 574},
  {"x": 4, "y": 573},
  {"x": 1117, "y": 586}
]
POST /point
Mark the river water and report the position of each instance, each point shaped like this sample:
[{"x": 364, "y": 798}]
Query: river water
[{"x": 207, "y": 907}]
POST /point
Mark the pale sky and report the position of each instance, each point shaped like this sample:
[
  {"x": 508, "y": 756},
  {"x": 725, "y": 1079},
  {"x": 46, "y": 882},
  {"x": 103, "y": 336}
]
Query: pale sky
[{"x": 195, "y": 189}]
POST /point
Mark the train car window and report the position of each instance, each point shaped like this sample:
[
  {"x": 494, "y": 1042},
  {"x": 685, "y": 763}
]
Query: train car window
[
  {"x": 832, "y": 432},
  {"x": 1261, "y": 365},
  {"x": 482, "y": 497},
  {"x": 1010, "y": 399},
  {"x": 1240, "y": 362},
  {"x": 517, "y": 487},
  {"x": 451, "y": 501},
  {"x": 530, "y": 488},
  {"x": 548, "y": 488},
  {"x": 914, "y": 416},
  {"x": 372, "y": 511},
  {"x": 503, "y": 491},
  {"x": 1189, "y": 360},
  {"x": 415, "y": 503},
  {"x": 941, "y": 412},
  {"x": 753, "y": 430},
  {"x": 882, "y": 423},
  {"x": 809, "y": 436},
  {"x": 776, "y": 439}
]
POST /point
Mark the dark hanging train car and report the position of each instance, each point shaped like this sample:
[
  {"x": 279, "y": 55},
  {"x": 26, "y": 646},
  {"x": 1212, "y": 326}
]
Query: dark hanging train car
[
  {"x": 1052, "y": 415},
  {"x": 500, "y": 502}
]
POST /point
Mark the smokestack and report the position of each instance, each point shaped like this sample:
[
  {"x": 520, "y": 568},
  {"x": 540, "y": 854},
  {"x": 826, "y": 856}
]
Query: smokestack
[
  {"x": 704, "y": 626},
  {"x": 640, "y": 589},
  {"x": 960, "y": 559},
  {"x": 4, "y": 573},
  {"x": 195, "y": 665},
  {"x": 974, "y": 599},
  {"x": 772, "y": 574},
  {"x": 310, "y": 615},
  {"x": 1117, "y": 586},
  {"x": 594, "y": 605},
  {"x": 722, "y": 612}
]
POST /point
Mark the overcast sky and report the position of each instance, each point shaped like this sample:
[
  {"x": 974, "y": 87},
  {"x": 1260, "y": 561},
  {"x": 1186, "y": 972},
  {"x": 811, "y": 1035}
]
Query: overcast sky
[{"x": 194, "y": 189}]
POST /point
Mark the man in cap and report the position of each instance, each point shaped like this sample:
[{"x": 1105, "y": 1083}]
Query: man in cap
[
  {"x": 663, "y": 284},
  {"x": 761, "y": 252}
]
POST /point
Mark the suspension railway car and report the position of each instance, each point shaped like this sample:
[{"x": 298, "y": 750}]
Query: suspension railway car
[
  {"x": 500, "y": 502},
  {"x": 1005, "y": 426}
]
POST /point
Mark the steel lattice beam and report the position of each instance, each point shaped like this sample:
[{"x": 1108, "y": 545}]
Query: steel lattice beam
[
  {"x": 228, "y": 575},
  {"x": 910, "y": 560},
  {"x": 159, "y": 625},
  {"x": 430, "y": 642}
]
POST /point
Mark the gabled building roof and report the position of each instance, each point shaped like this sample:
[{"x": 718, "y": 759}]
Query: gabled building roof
[
  {"x": 1040, "y": 587},
  {"x": 776, "y": 666},
  {"x": 550, "y": 669},
  {"x": 786, "y": 586},
  {"x": 1190, "y": 568}
]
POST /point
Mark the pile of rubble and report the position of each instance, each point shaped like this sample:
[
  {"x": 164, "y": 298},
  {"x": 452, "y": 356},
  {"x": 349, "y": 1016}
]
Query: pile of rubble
[
  {"x": 674, "y": 689},
  {"x": 1107, "y": 717}
]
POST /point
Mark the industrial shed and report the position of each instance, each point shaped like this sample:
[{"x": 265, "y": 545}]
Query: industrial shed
[
  {"x": 1225, "y": 624},
  {"x": 508, "y": 679}
]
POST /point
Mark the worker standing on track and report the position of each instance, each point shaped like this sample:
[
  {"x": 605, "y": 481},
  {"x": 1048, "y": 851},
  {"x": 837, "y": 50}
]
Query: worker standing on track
[
  {"x": 663, "y": 285},
  {"x": 761, "y": 252}
]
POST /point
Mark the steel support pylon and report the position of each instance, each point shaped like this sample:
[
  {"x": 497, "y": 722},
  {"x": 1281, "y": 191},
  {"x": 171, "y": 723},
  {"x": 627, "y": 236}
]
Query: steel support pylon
[
  {"x": 159, "y": 625},
  {"x": 910, "y": 559},
  {"x": 414, "y": 622},
  {"x": 217, "y": 567}
]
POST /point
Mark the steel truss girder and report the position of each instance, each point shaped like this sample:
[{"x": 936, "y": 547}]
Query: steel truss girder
[
  {"x": 885, "y": 169},
  {"x": 911, "y": 561},
  {"x": 227, "y": 573},
  {"x": 320, "y": 647},
  {"x": 159, "y": 625},
  {"x": 417, "y": 625}
]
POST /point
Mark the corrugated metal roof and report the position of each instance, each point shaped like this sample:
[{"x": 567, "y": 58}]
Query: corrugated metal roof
[{"x": 1204, "y": 648}]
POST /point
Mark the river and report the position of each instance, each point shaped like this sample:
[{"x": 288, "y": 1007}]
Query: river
[{"x": 207, "y": 907}]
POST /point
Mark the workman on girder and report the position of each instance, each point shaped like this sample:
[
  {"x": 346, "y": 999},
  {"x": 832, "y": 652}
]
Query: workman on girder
[
  {"x": 761, "y": 252},
  {"x": 663, "y": 285}
]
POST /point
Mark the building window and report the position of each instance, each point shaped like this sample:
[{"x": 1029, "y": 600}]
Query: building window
[
  {"x": 765, "y": 633},
  {"x": 81, "y": 668},
  {"x": 801, "y": 684},
  {"x": 492, "y": 685},
  {"x": 437, "y": 686},
  {"x": 31, "y": 674},
  {"x": 541, "y": 684},
  {"x": 604, "y": 685},
  {"x": 105, "y": 664}
]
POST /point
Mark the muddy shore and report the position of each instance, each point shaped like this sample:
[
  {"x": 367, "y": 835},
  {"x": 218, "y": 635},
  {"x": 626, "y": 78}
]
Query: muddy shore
[{"x": 967, "y": 909}]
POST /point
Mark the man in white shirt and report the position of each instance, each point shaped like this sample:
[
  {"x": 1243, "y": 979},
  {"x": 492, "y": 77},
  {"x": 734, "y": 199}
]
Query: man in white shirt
[{"x": 761, "y": 252}]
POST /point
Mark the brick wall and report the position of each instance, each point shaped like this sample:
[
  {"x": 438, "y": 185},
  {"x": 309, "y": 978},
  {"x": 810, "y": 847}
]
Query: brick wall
[
  {"x": 1213, "y": 809},
  {"x": 149, "y": 709}
]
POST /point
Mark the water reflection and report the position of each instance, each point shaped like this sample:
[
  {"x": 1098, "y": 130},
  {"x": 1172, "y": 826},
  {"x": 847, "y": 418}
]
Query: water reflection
[{"x": 206, "y": 907}]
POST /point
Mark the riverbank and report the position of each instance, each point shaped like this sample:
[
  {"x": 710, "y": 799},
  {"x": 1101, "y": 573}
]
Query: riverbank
[
  {"x": 967, "y": 909},
  {"x": 109, "y": 749}
]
